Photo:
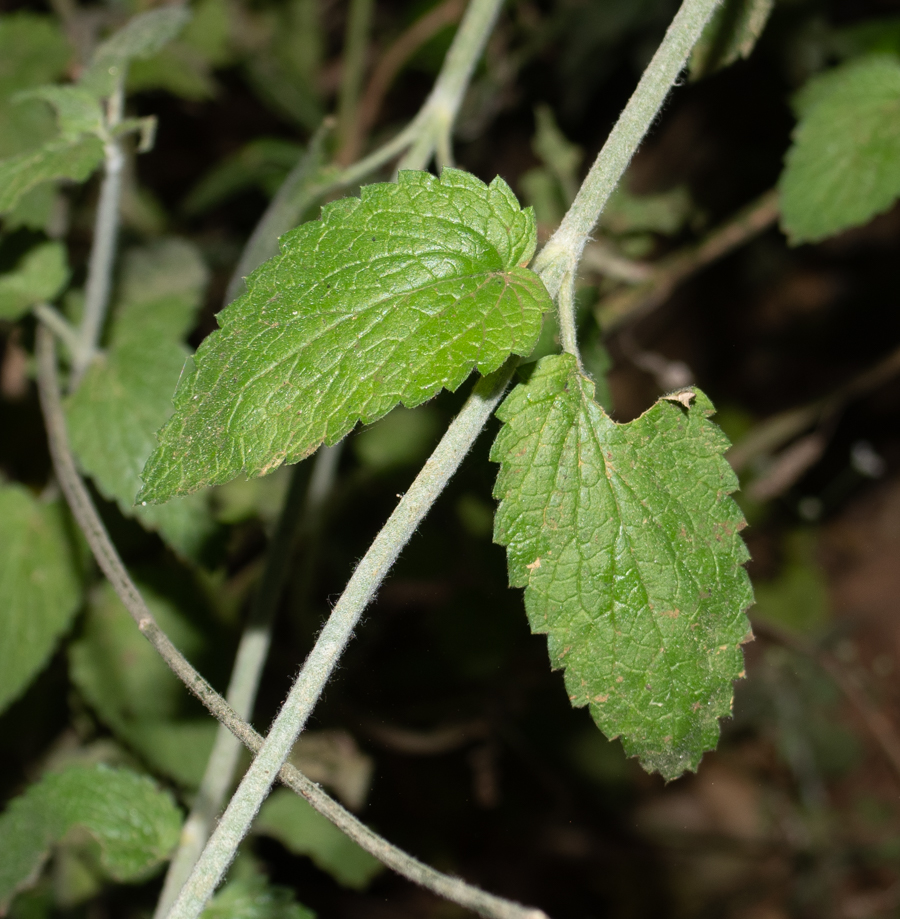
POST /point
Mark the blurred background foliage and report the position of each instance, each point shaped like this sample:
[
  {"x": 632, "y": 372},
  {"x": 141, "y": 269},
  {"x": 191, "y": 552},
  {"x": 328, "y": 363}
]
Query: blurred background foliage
[{"x": 444, "y": 728}]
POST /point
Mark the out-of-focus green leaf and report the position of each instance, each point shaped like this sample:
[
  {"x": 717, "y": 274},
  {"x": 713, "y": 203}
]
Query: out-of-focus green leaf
[
  {"x": 798, "y": 597},
  {"x": 844, "y": 165},
  {"x": 304, "y": 831},
  {"x": 140, "y": 38},
  {"x": 730, "y": 34},
  {"x": 33, "y": 51},
  {"x": 629, "y": 547},
  {"x": 40, "y": 275},
  {"x": 284, "y": 69},
  {"x": 126, "y": 395},
  {"x": 664, "y": 213},
  {"x": 77, "y": 111},
  {"x": 126, "y": 682},
  {"x": 59, "y": 159},
  {"x": 401, "y": 437},
  {"x": 135, "y": 824},
  {"x": 385, "y": 300},
  {"x": 40, "y": 586},
  {"x": 263, "y": 163},
  {"x": 254, "y": 898},
  {"x": 557, "y": 152}
]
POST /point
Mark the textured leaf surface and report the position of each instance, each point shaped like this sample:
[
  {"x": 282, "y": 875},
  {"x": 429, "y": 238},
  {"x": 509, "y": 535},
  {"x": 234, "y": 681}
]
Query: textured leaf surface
[
  {"x": 304, "y": 831},
  {"x": 386, "y": 299},
  {"x": 40, "y": 586},
  {"x": 629, "y": 549},
  {"x": 126, "y": 395},
  {"x": 135, "y": 694},
  {"x": 135, "y": 824},
  {"x": 255, "y": 898},
  {"x": 730, "y": 34},
  {"x": 60, "y": 159},
  {"x": 140, "y": 38},
  {"x": 844, "y": 165},
  {"x": 40, "y": 275}
]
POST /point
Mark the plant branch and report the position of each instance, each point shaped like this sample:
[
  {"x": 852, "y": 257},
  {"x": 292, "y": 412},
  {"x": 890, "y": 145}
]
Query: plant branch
[
  {"x": 107, "y": 558},
  {"x": 250, "y": 659},
  {"x": 59, "y": 325},
  {"x": 625, "y": 306},
  {"x": 356, "y": 45},
  {"x": 392, "y": 62},
  {"x": 558, "y": 260},
  {"x": 333, "y": 639},
  {"x": 103, "y": 248}
]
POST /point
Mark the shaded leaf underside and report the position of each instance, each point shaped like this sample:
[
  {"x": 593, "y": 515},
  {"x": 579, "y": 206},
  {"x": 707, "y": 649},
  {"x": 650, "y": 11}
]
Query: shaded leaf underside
[
  {"x": 629, "y": 548},
  {"x": 386, "y": 299}
]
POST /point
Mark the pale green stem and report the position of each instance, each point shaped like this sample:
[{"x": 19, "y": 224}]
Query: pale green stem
[
  {"x": 332, "y": 640},
  {"x": 88, "y": 520},
  {"x": 439, "y": 112},
  {"x": 568, "y": 332},
  {"x": 103, "y": 248},
  {"x": 59, "y": 325},
  {"x": 250, "y": 659},
  {"x": 356, "y": 44},
  {"x": 558, "y": 260}
]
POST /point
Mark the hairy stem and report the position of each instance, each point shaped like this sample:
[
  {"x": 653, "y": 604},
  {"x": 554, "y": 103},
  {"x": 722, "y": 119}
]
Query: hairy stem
[
  {"x": 107, "y": 558},
  {"x": 103, "y": 248},
  {"x": 560, "y": 257},
  {"x": 333, "y": 639},
  {"x": 250, "y": 659},
  {"x": 356, "y": 44},
  {"x": 59, "y": 325}
]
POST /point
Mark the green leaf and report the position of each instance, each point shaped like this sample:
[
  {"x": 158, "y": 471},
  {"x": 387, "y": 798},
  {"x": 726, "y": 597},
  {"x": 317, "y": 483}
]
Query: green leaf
[
  {"x": 60, "y": 159},
  {"x": 77, "y": 111},
  {"x": 40, "y": 275},
  {"x": 254, "y": 898},
  {"x": 730, "y": 34},
  {"x": 386, "y": 299},
  {"x": 140, "y": 38},
  {"x": 135, "y": 824},
  {"x": 844, "y": 165},
  {"x": 40, "y": 586},
  {"x": 132, "y": 690},
  {"x": 629, "y": 549},
  {"x": 304, "y": 831},
  {"x": 126, "y": 395},
  {"x": 33, "y": 51}
]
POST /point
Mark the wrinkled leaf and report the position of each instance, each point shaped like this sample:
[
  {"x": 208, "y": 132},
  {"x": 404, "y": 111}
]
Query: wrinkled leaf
[
  {"x": 844, "y": 165},
  {"x": 304, "y": 831},
  {"x": 730, "y": 34},
  {"x": 40, "y": 586},
  {"x": 40, "y": 275},
  {"x": 141, "y": 37},
  {"x": 385, "y": 299},
  {"x": 135, "y": 824},
  {"x": 129, "y": 686},
  {"x": 126, "y": 395},
  {"x": 254, "y": 898},
  {"x": 629, "y": 549},
  {"x": 59, "y": 159}
]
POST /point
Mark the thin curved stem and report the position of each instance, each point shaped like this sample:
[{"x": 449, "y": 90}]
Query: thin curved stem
[
  {"x": 562, "y": 253},
  {"x": 82, "y": 507},
  {"x": 333, "y": 639},
  {"x": 103, "y": 248},
  {"x": 356, "y": 46},
  {"x": 299, "y": 511}
]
